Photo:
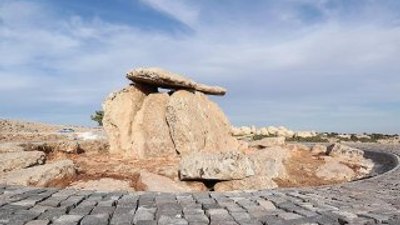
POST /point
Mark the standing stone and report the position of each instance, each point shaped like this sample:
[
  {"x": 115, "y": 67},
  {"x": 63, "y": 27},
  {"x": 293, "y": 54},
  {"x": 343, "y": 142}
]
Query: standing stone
[
  {"x": 120, "y": 109},
  {"x": 197, "y": 124},
  {"x": 150, "y": 132}
]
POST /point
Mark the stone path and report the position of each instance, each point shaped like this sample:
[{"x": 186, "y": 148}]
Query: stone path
[{"x": 371, "y": 201}]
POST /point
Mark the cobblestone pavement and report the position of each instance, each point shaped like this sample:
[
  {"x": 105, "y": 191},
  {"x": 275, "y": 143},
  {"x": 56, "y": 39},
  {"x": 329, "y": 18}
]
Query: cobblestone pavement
[{"x": 370, "y": 201}]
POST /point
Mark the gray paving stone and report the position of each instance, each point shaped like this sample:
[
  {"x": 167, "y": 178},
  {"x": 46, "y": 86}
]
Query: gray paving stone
[
  {"x": 289, "y": 216},
  {"x": 38, "y": 222},
  {"x": 197, "y": 218},
  {"x": 98, "y": 219},
  {"x": 144, "y": 214},
  {"x": 103, "y": 210},
  {"x": 167, "y": 220},
  {"x": 67, "y": 220},
  {"x": 53, "y": 214},
  {"x": 146, "y": 222},
  {"x": 81, "y": 210}
]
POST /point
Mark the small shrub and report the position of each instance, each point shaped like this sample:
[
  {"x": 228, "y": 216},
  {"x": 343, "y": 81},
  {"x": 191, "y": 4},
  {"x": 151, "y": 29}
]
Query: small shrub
[
  {"x": 98, "y": 117},
  {"x": 317, "y": 138}
]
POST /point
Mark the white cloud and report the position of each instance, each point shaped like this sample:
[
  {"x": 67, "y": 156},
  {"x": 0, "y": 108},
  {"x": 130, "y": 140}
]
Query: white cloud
[
  {"x": 178, "y": 9},
  {"x": 294, "y": 78}
]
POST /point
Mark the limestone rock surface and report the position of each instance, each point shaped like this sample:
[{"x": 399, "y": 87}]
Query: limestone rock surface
[
  {"x": 343, "y": 151},
  {"x": 154, "y": 182},
  {"x": 334, "y": 170},
  {"x": 150, "y": 132},
  {"x": 20, "y": 159},
  {"x": 40, "y": 175},
  {"x": 103, "y": 184},
  {"x": 215, "y": 166},
  {"x": 319, "y": 149},
  {"x": 198, "y": 124},
  {"x": 250, "y": 183},
  {"x": 269, "y": 162},
  {"x": 165, "y": 79},
  {"x": 143, "y": 124},
  {"x": 10, "y": 147},
  {"x": 120, "y": 109},
  {"x": 268, "y": 142}
]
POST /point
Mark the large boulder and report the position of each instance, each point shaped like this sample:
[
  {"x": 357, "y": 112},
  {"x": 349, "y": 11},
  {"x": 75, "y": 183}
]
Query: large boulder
[
  {"x": 20, "y": 159},
  {"x": 346, "y": 152},
  {"x": 269, "y": 162},
  {"x": 250, "y": 183},
  {"x": 334, "y": 170},
  {"x": 143, "y": 123},
  {"x": 154, "y": 182},
  {"x": 198, "y": 124},
  {"x": 42, "y": 176},
  {"x": 120, "y": 109},
  {"x": 103, "y": 184},
  {"x": 215, "y": 166},
  {"x": 150, "y": 132},
  {"x": 165, "y": 79}
]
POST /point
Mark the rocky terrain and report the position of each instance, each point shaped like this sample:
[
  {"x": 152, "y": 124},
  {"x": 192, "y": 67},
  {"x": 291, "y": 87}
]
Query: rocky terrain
[
  {"x": 254, "y": 133},
  {"x": 174, "y": 141}
]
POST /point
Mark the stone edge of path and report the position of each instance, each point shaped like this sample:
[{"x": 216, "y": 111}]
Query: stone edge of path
[{"x": 372, "y": 154}]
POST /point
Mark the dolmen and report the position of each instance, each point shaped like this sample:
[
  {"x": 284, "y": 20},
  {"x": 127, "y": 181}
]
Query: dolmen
[{"x": 163, "y": 114}]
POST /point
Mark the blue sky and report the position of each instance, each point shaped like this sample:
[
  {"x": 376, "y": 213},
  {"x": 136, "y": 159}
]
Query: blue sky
[{"x": 327, "y": 65}]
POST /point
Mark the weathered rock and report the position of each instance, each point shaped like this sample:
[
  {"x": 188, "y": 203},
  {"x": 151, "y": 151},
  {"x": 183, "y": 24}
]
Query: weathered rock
[
  {"x": 343, "y": 151},
  {"x": 150, "y": 132},
  {"x": 269, "y": 162},
  {"x": 215, "y": 166},
  {"x": 153, "y": 182},
  {"x": 99, "y": 145},
  {"x": 268, "y": 142},
  {"x": 319, "y": 149},
  {"x": 162, "y": 78},
  {"x": 10, "y": 147},
  {"x": 20, "y": 159},
  {"x": 305, "y": 134},
  {"x": 334, "y": 170},
  {"x": 250, "y": 183},
  {"x": 195, "y": 185},
  {"x": 40, "y": 175},
  {"x": 198, "y": 124},
  {"x": 70, "y": 147},
  {"x": 297, "y": 147},
  {"x": 103, "y": 184},
  {"x": 243, "y": 145},
  {"x": 120, "y": 109}
]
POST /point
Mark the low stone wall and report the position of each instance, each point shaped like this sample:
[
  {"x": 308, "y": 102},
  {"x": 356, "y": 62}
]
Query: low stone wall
[{"x": 385, "y": 162}]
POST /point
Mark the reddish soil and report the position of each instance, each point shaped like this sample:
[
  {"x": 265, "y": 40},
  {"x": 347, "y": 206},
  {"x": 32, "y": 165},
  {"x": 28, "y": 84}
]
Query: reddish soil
[
  {"x": 301, "y": 169},
  {"x": 93, "y": 166}
]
